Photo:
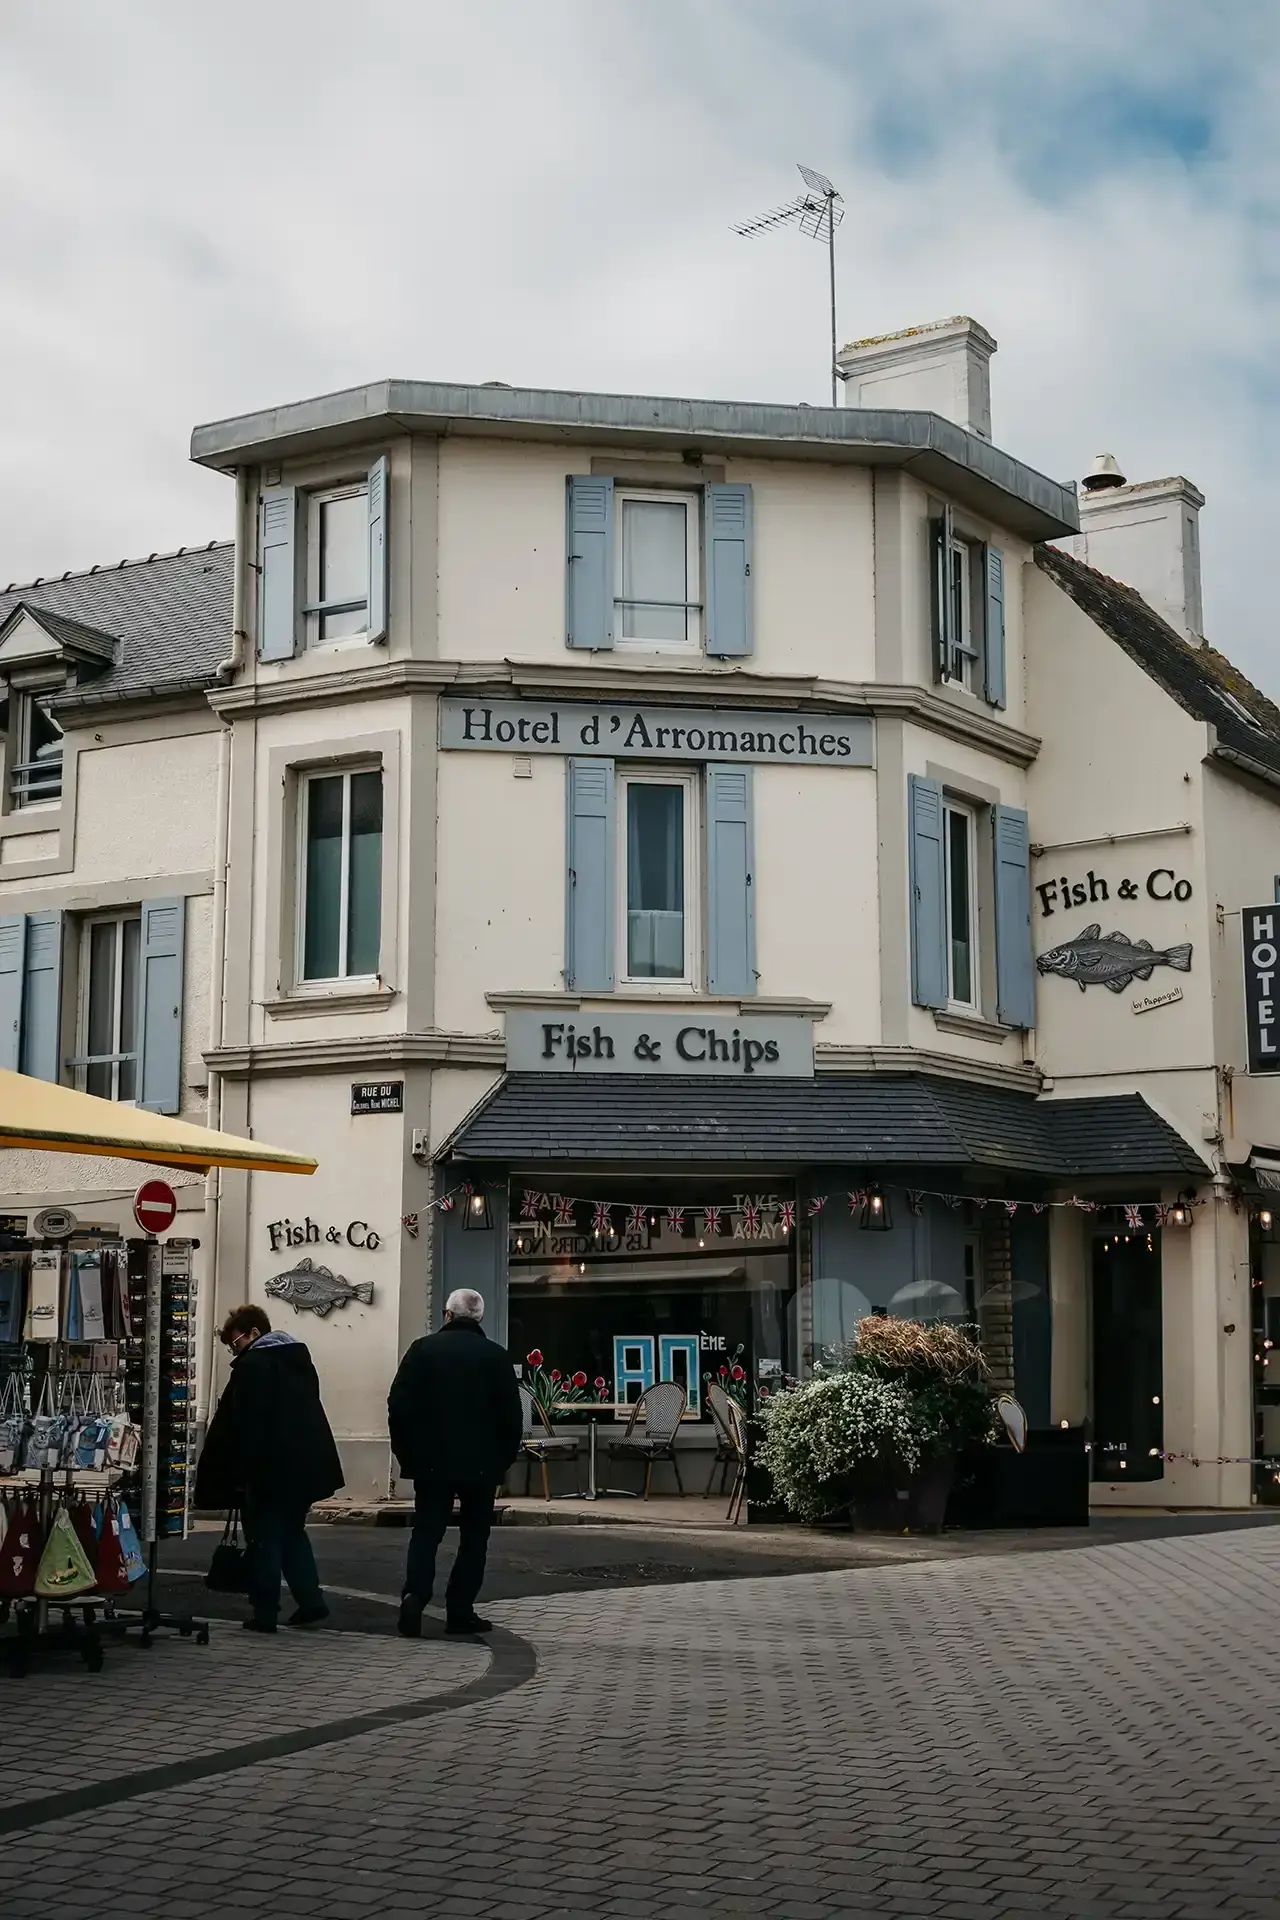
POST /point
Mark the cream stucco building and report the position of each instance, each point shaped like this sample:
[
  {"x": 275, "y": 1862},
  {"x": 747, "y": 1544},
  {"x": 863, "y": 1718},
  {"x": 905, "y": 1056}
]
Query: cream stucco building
[{"x": 680, "y": 866}]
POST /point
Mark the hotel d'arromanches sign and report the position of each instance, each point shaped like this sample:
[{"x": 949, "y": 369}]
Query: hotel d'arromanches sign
[{"x": 656, "y": 733}]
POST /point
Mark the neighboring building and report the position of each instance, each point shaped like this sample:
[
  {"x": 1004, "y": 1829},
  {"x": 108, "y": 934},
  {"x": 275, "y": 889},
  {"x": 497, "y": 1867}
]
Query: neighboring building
[
  {"x": 630, "y": 842},
  {"x": 109, "y": 802}
]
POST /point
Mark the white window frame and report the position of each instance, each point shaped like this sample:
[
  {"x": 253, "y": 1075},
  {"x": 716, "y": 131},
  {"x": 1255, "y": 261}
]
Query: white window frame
[
  {"x": 21, "y": 702},
  {"x": 970, "y": 816},
  {"x": 314, "y": 606},
  {"x": 966, "y": 649},
  {"x": 692, "y": 503},
  {"x": 691, "y": 785},
  {"x": 118, "y": 920},
  {"x": 308, "y": 983}
]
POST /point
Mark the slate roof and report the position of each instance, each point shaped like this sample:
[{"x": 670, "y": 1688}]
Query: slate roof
[
  {"x": 169, "y": 617},
  {"x": 1198, "y": 677},
  {"x": 881, "y": 1120}
]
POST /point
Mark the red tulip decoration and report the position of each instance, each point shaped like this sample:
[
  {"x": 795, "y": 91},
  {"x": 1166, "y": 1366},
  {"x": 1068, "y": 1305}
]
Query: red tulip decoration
[{"x": 534, "y": 1357}]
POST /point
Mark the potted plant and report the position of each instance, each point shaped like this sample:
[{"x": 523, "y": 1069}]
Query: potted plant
[{"x": 945, "y": 1373}]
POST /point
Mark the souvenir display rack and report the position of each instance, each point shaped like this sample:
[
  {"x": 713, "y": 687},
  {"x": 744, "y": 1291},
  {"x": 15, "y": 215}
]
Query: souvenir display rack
[{"x": 97, "y": 1406}]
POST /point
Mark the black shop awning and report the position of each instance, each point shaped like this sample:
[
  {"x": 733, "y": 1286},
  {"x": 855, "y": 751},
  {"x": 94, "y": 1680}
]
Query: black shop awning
[{"x": 884, "y": 1120}]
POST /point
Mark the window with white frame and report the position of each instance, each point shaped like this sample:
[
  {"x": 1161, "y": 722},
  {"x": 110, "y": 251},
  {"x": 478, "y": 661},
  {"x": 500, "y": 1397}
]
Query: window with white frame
[
  {"x": 338, "y": 564},
  {"x": 106, "y": 1057},
  {"x": 35, "y": 739},
  {"x": 658, "y": 868},
  {"x": 658, "y": 572},
  {"x": 965, "y": 623},
  {"x": 961, "y": 867},
  {"x": 340, "y": 869}
]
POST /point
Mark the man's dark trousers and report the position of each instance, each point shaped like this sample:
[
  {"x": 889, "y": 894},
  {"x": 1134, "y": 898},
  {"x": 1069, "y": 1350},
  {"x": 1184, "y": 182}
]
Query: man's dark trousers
[{"x": 433, "y": 1506}]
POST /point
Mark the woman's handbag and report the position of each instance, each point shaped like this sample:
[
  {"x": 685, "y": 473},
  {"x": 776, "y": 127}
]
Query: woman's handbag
[
  {"x": 229, "y": 1567},
  {"x": 65, "y": 1570}
]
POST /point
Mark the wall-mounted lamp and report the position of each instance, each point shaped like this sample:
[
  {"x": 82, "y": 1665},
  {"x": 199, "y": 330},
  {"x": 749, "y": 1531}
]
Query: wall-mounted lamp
[
  {"x": 476, "y": 1216},
  {"x": 875, "y": 1216},
  {"x": 1266, "y": 1219},
  {"x": 1179, "y": 1214}
]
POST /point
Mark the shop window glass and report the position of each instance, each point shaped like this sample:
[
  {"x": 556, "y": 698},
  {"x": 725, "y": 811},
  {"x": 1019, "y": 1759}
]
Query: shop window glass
[{"x": 1128, "y": 1366}]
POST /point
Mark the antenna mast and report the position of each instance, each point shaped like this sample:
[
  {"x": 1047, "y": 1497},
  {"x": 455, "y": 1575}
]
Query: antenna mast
[{"x": 818, "y": 212}]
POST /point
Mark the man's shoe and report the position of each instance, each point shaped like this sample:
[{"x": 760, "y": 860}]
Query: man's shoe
[
  {"x": 409, "y": 1625},
  {"x": 469, "y": 1623},
  {"x": 258, "y": 1626},
  {"x": 308, "y": 1617}
]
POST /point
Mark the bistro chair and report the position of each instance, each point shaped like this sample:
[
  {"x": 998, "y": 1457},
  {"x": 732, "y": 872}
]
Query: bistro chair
[
  {"x": 652, "y": 1429},
  {"x": 540, "y": 1442},
  {"x": 738, "y": 1492},
  {"x": 726, "y": 1455}
]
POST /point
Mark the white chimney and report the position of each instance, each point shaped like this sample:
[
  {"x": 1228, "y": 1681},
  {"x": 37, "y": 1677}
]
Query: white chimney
[
  {"x": 944, "y": 368},
  {"x": 1147, "y": 534}
]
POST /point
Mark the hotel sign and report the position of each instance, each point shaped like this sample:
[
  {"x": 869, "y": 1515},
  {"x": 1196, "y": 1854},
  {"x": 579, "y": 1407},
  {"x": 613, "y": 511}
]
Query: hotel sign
[
  {"x": 1261, "y": 929},
  {"x": 695, "y": 1044},
  {"x": 656, "y": 733}
]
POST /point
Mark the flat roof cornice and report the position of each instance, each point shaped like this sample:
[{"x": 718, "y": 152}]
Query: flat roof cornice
[{"x": 958, "y": 463}]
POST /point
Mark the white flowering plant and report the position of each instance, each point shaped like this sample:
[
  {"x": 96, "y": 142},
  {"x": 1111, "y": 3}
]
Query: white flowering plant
[{"x": 833, "y": 1430}]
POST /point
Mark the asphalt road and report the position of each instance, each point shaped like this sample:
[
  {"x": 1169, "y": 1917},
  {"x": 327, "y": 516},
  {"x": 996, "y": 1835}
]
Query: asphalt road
[{"x": 528, "y": 1561}]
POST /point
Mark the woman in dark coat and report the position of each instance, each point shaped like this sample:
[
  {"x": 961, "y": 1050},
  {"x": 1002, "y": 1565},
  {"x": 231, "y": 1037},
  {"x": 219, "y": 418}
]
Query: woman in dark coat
[{"x": 270, "y": 1451}]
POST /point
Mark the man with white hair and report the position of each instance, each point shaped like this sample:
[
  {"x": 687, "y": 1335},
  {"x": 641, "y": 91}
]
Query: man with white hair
[{"x": 456, "y": 1423}]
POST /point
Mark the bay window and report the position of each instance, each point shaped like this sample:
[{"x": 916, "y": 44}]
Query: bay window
[{"x": 340, "y": 864}]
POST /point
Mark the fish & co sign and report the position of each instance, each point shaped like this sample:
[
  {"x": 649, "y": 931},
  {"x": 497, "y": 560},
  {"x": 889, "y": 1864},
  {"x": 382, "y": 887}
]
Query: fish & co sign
[
  {"x": 1261, "y": 929},
  {"x": 307, "y": 1233},
  {"x": 1098, "y": 959},
  {"x": 1162, "y": 883}
]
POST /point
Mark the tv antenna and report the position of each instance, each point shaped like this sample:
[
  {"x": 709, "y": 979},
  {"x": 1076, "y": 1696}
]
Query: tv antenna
[{"x": 818, "y": 212}]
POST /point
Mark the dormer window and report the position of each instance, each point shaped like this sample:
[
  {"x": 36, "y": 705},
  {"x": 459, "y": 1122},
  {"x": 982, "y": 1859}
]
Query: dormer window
[{"x": 35, "y": 769}]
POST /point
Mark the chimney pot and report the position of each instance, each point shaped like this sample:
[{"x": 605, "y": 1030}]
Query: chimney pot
[{"x": 1104, "y": 473}]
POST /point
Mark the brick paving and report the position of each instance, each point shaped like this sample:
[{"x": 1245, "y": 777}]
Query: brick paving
[{"x": 1083, "y": 1734}]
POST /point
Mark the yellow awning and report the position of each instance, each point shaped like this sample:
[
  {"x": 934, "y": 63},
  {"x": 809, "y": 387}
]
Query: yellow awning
[{"x": 36, "y": 1113}]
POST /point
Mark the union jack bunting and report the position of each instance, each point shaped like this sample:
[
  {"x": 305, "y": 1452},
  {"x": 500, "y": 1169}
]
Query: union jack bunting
[
  {"x": 409, "y": 1222},
  {"x": 1085, "y": 1206},
  {"x": 635, "y": 1219},
  {"x": 1132, "y": 1215},
  {"x": 675, "y": 1219},
  {"x": 601, "y": 1218},
  {"x": 446, "y": 1205},
  {"x": 915, "y": 1200},
  {"x": 563, "y": 1205},
  {"x": 856, "y": 1199},
  {"x": 1011, "y": 1207},
  {"x": 951, "y": 1200},
  {"x": 817, "y": 1201},
  {"x": 751, "y": 1221},
  {"x": 1038, "y": 1206},
  {"x": 531, "y": 1204},
  {"x": 786, "y": 1215},
  {"x": 711, "y": 1218}
]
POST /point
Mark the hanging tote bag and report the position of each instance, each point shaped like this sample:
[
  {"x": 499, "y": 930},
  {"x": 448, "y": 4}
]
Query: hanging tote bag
[
  {"x": 229, "y": 1568},
  {"x": 13, "y": 1423},
  {"x": 45, "y": 1431},
  {"x": 21, "y": 1554},
  {"x": 43, "y": 1289},
  {"x": 65, "y": 1569},
  {"x": 13, "y": 1296},
  {"x": 135, "y": 1564},
  {"x": 82, "y": 1520},
  {"x": 86, "y": 1282},
  {"x": 108, "y": 1558}
]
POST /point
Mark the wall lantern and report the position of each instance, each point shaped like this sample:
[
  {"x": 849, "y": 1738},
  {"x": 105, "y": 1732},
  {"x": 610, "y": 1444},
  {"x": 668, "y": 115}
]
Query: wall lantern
[
  {"x": 477, "y": 1217},
  {"x": 1179, "y": 1214},
  {"x": 1266, "y": 1221},
  {"x": 875, "y": 1216}
]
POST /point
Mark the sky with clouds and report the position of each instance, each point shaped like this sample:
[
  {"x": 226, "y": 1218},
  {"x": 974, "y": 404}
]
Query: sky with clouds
[{"x": 206, "y": 209}]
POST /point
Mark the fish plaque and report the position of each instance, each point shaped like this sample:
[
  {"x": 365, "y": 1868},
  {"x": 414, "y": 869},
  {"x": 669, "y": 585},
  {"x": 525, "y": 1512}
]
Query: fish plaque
[
  {"x": 1098, "y": 959},
  {"x": 312, "y": 1289}
]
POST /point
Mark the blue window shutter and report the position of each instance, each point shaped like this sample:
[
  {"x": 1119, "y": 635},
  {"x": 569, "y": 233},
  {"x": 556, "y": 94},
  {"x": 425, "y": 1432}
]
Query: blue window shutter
[
  {"x": 941, "y": 533},
  {"x": 160, "y": 1005},
  {"x": 42, "y": 998},
  {"x": 589, "y": 583},
  {"x": 278, "y": 579},
  {"x": 731, "y": 913},
  {"x": 993, "y": 651},
  {"x": 728, "y": 593},
  {"x": 379, "y": 575},
  {"x": 589, "y": 901},
  {"x": 13, "y": 966},
  {"x": 1015, "y": 962},
  {"x": 928, "y": 893}
]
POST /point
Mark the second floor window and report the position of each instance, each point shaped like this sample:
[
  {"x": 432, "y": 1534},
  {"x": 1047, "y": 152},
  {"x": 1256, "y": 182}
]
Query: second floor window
[
  {"x": 340, "y": 917},
  {"x": 961, "y": 909},
  {"x": 338, "y": 564},
  {"x": 107, "y": 1039},
  {"x": 966, "y": 620},
  {"x": 657, "y": 550},
  {"x": 660, "y": 889},
  {"x": 35, "y": 768}
]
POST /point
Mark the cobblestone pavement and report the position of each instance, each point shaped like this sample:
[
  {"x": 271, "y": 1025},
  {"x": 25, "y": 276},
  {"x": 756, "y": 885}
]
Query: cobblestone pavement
[{"x": 1085, "y": 1734}]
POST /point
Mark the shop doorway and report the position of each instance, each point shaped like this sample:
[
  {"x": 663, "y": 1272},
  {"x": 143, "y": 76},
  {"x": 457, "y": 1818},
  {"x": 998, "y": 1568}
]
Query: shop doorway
[{"x": 1128, "y": 1356}]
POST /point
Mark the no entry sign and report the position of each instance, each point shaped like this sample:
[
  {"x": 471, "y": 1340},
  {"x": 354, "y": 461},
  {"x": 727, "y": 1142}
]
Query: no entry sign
[{"x": 155, "y": 1206}]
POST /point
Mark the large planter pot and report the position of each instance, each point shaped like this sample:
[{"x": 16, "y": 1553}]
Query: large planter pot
[
  {"x": 930, "y": 1490},
  {"x": 917, "y": 1503}
]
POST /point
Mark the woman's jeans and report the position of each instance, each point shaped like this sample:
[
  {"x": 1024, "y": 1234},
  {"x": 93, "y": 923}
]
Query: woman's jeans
[{"x": 276, "y": 1537}]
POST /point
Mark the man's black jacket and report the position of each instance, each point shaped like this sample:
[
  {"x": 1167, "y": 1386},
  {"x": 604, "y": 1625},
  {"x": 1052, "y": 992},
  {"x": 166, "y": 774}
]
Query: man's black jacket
[
  {"x": 454, "y": 1408},
  {"x": 269, "y": 1437}
]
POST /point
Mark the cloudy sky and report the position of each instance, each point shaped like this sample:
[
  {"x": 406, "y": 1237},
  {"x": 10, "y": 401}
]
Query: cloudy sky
[{"x": 208, "y": 208}]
